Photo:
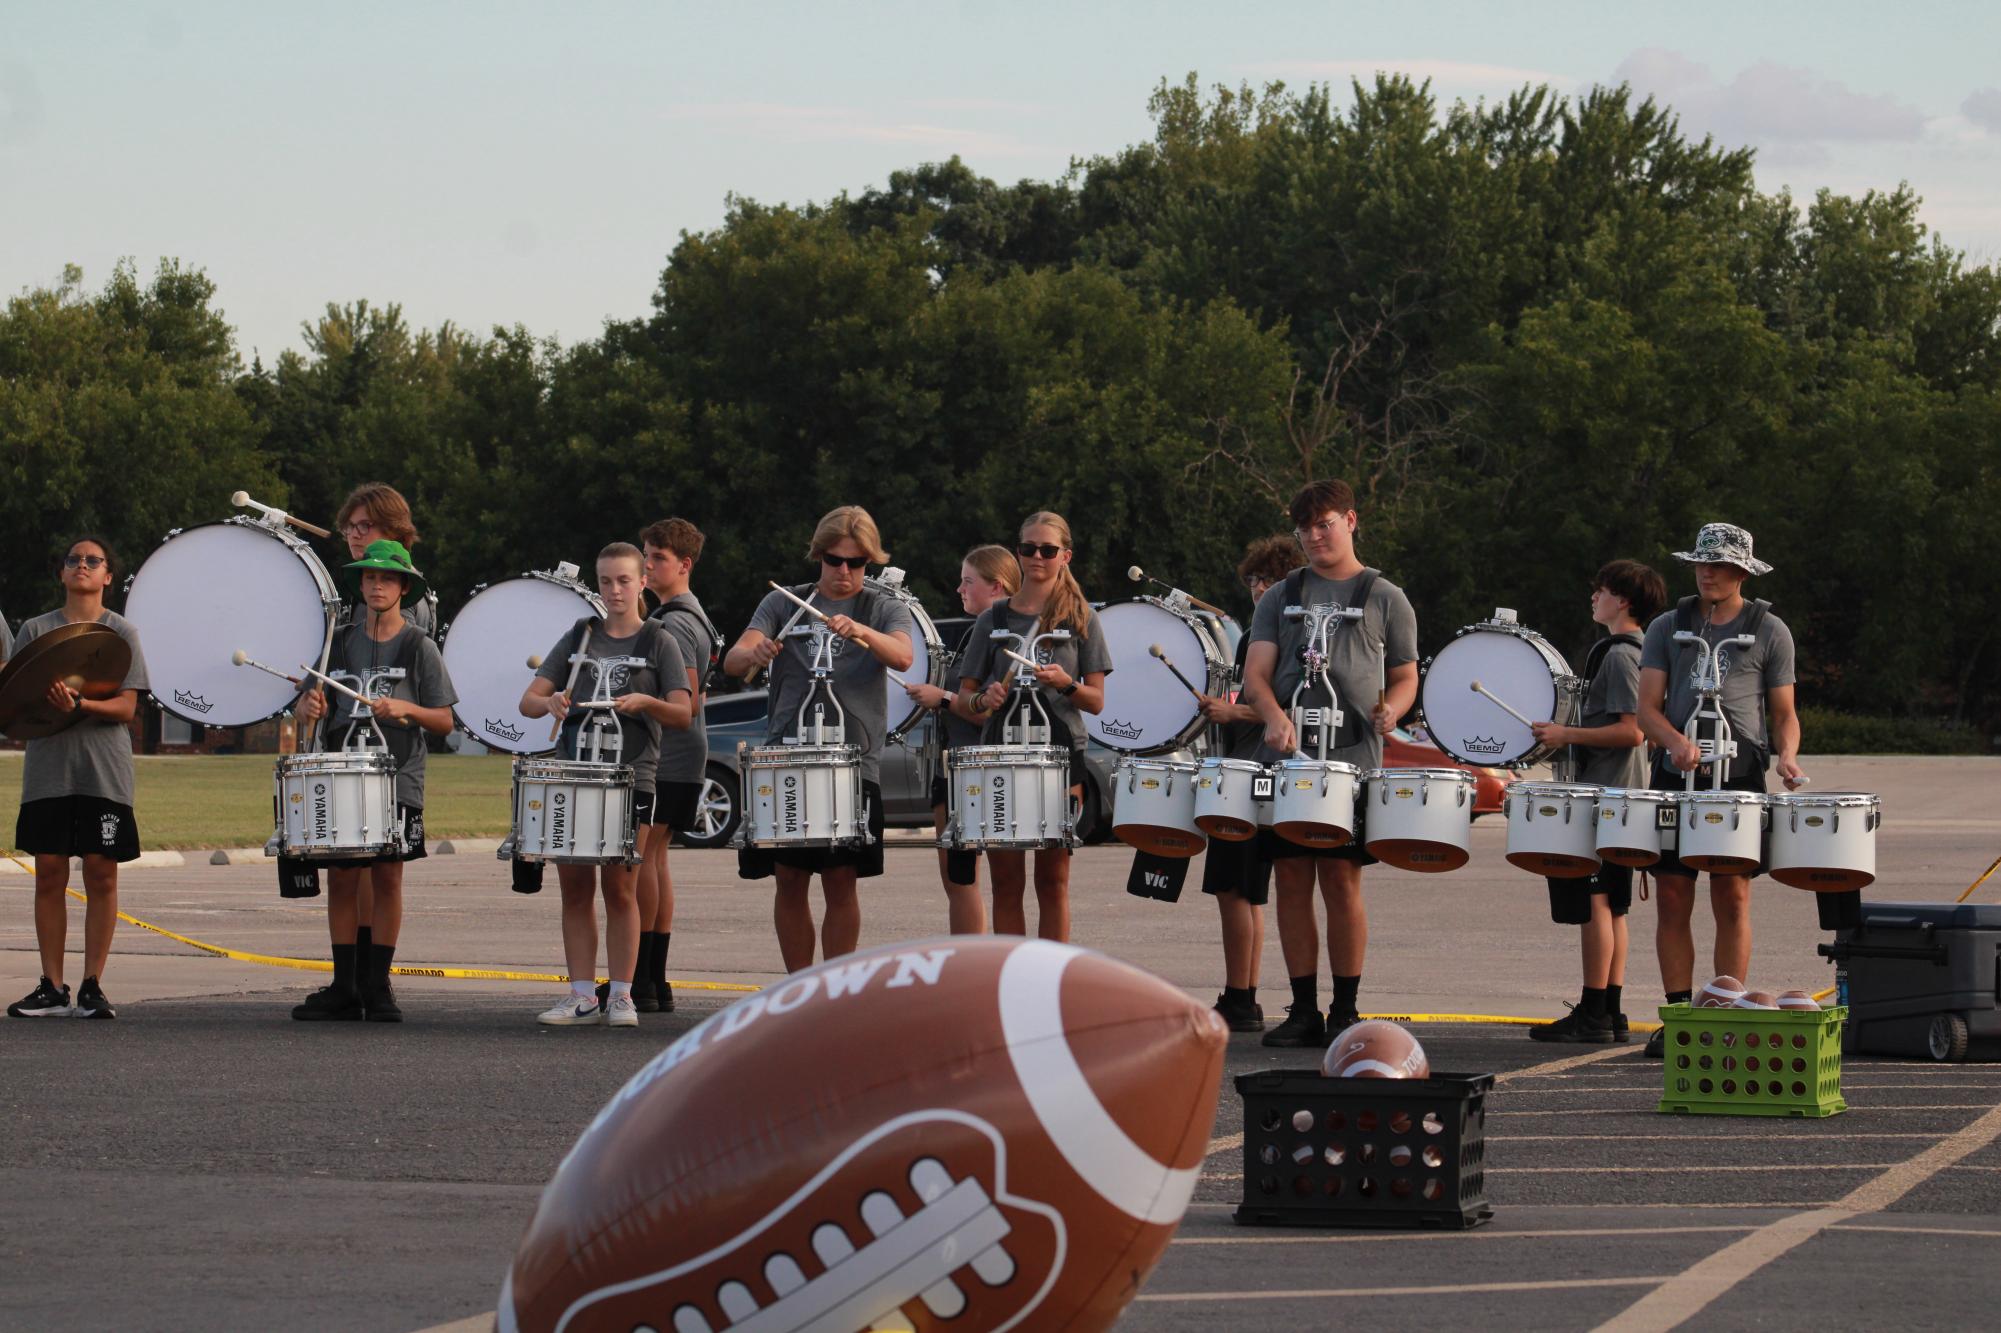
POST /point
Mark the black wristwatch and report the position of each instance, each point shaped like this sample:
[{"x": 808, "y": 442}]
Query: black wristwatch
[{"x": 1068, "y": 690}]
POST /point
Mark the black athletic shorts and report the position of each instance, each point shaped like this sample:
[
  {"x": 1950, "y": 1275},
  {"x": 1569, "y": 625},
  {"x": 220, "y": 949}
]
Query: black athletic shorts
[
  {"x": 759, "y": 862},
  {"x": 413, "y": 844},
  {"x": 676, "y": 805},
  {"x": 1284, "y": 849},
  {"x": 77, "y": 826},
  {"x": 1570, "y": 899},
  {"x": 1242, "y": 868},
  {"x": 1668, "y": 779}
]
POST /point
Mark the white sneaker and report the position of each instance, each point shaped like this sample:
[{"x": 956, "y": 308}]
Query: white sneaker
[
  {"x": 622, "y": 1013},
  {"x": 572, "y": 1011}
]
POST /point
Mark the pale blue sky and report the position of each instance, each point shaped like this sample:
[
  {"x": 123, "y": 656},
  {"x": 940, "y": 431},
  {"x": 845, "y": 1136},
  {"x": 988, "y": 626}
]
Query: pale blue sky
[{"x": 535, "y": 163}]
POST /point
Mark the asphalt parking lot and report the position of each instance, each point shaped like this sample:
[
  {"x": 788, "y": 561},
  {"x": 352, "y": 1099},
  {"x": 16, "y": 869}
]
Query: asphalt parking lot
[{"x": 206, "y": 1163}]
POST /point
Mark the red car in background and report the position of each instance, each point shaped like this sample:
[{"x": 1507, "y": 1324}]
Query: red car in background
[{"x": 1413, "y": 749}]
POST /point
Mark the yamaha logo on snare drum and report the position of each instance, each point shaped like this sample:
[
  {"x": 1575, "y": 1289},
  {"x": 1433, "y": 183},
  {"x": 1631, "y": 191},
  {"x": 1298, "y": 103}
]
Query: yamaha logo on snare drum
[
  {"x": 501, "y": 730},
  {"x": 1123, "y": 730},
  {"x": 1482, "y": 745},
  {"x": 789, "y": 820},
  {"x": 322, "y": 815},
  {"x": 193, "y": 701}
]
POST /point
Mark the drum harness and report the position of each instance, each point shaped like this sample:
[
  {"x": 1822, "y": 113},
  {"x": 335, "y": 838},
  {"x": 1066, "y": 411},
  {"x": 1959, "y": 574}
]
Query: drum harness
[
  {"x": 1719, "y": 746},
  {"x": 1315, "y": 656}
]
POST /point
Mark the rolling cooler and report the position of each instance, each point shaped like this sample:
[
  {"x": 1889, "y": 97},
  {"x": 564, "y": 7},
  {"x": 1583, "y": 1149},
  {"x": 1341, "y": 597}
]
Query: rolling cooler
[{"x": 1924, "y": 979}]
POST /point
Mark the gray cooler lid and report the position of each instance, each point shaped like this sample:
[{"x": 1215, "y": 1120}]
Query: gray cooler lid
[{"x": 1940, "y": 916}]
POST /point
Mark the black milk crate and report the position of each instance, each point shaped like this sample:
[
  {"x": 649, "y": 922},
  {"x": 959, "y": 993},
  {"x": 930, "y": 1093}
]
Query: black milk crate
[{"x": 1364, "y": 1152}]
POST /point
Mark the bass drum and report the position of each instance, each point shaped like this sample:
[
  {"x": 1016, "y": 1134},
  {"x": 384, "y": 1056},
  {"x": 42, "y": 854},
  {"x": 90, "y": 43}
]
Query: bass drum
[
  {"x": 1148, "y": 711},
  {"x": 207, "y": 592},
  {"x": 1515, "y": 664},
  {"x": 488, "y": 645},
  {"x": 925, "y": 663}
]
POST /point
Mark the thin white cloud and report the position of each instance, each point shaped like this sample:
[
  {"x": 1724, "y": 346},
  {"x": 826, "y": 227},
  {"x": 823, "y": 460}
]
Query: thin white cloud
[
  {"x": 1448, "y": 74},
  {"x": 1983, "y": 108},
  {"x": 1768, "y": 104},
  {"x": 844, "y": 124}
]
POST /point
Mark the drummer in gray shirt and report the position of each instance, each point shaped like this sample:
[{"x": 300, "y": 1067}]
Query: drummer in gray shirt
[
  {"x": 1374, "y": 669},
  {"x": 875, "y": 636},
  {"x": 1757, "y": 700},
  {"x": 1606, "y": 750},
  {"x": 76, "y": 794}
]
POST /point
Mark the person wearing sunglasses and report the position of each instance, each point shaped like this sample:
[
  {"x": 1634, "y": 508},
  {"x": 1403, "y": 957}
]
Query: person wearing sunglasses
[
  {"x": 1071, "y": 679},
  {"x": 1373, "y": 663},
  {"x": 874, "y": 636},
  {"x": 76, "y": 795}
]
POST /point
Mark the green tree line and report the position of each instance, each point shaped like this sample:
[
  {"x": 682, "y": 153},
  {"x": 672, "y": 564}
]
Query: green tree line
[{"x": 1534, "y": 334}]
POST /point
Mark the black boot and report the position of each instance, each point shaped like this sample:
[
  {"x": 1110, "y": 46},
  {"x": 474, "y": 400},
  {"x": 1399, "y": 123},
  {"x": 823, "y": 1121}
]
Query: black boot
[
  {"x": 644, "y": 998},
  {"x": 377, "y": 996},
  {"x": 338, "y": 1001}
]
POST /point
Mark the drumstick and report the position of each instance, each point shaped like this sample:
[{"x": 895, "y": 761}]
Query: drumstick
[
  {"x": 804, "y": 605},
  {"x": 1161, "y": 653},
  {"x": 1478, "y": 688},
  {"x": 242, "y": 500},
  {"x": 1030, "y": 663},
  {"x": 576, "y": 669},
  {"x": 355, "y": 695}
]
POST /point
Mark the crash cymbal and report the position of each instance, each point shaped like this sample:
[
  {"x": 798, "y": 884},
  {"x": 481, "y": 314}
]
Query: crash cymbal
[{"x": 90, "y": 658}]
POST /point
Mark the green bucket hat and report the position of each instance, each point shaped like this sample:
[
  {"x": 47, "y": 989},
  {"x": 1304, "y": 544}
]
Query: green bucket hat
[{"x": 394, "y": 557}]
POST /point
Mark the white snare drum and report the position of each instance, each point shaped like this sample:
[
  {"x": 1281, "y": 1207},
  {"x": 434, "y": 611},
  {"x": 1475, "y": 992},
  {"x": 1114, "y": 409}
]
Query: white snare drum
[
  {"x": 1226, "y": 804},
  {"x": 573, "y": 812},
  {"x": 1512, "y": 663},
  {"x": 802, "y": 796},
  {"x": 1825, "y": 842},
  {"x": 925, "y": 661},
  {"x": 487, "y": 647},
  {"x": 1552, "y": 828},
  {"x": 1629, "y": 825},
  {"x": 1722, "y": 832},
  {"x": 1009, "y": 797},
  {"x": 1153, "y": 806},
  {"x": 1147, "y": 711},
  {"x": 211, "y": 590},
  {"x": 338, "y": 804},
  {"x": 1313, "y": 802},
  {"x": 1419, "y": 818}
]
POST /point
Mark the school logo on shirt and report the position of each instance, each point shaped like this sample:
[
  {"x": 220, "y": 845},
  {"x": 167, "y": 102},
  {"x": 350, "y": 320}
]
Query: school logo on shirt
[
  {"x": 620, "y": 677},
  {"x": 187, "y": 699},
  {"x": 1723, "y": 664},
  {"x": 108, "y": 826}
]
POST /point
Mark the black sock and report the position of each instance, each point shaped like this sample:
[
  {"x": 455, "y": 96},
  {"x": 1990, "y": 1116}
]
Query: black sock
[
  {"x": 1345, "y": 991},
  {"x": 642, "y": 960},
  {"x": 661, "y": 939},
  {"x": 1594, "y": 1002},
  {"x": 344, "y": 958},
  {"x": 364, "y": 938},
  {"x": 380, "y": 958},
  {"x": 1614, "y": 997},
  {"x": 1679, "y": 996},
  {"x": 1240, "y": 994},
  {"x": 1306, "y": 991}
]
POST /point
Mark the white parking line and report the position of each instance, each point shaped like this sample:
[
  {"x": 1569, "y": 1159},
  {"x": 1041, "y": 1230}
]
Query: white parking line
[
  {"x": 1448, "y": 1289},
  {"x": 1478, "y": 1233}
]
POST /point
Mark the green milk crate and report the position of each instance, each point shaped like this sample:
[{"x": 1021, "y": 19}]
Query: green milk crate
[{"x": 1752, "y": 1061}]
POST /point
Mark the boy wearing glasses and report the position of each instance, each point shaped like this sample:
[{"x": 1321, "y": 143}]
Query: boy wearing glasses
[
  {"x": 875, "y": 635},
  {"x": 1374, "y": 668},
  {"x": 76, "y": 795}
]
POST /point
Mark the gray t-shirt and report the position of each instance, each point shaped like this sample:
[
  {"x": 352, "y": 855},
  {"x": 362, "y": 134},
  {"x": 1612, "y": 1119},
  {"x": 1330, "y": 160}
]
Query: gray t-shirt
[
  {"x": 1747, "y": 674},
  {"x": 860, "y": 680},
  {"x": 6, "y": 638},
  {"x": 1361, "y": 652},
  {"x": 93, "y": 757},
  {"x": 664, "y": 673},
  {"x": 424, "y": 683},
  {"x": 1614, "y": 690},
  {"x": 957, "y": 731},
  {"x": 1080, "y": 655},
  {"x": 684, "y": 755}
]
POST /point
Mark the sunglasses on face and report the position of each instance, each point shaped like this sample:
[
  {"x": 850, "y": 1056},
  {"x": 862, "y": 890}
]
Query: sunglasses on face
[
  {"x": 1044, "y": 549},
  {"x": 845, "y": 561},
  {"x": 83, "y": 562}
]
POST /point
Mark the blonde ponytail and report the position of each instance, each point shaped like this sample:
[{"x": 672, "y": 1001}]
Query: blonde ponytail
[{"x": 1067, "y": 607}]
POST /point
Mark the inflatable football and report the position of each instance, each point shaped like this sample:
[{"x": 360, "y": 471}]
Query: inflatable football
[
  {"x": 1722, "y": 993},
  {"x": 965, "y": 1133},
  {"x": 1798, "y": 999},
  {"x": 1375, "y": 1048},
  {"x": 1757, "y": 999}
]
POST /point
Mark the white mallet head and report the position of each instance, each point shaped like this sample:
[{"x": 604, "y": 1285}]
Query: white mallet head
[
  {"x": 240, "y": 499},
  {"x": 535, "y": 662},
  {"x": 1135, "y": 573},
  {"x": 1156, "y": 650},
  {"x": 239, "y": 657}
]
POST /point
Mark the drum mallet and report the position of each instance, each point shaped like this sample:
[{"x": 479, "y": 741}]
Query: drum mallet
[
  {"x": 242, "y": 500},
  {"x": 534, "y": 661},
  {"x": 1138, "y": 575},
  {"x": 241, "y": 658},
  {"x": 1478, "y": 688},
  {"x": 576, "y": 669},
  {"x": 1165, "y": 661}
]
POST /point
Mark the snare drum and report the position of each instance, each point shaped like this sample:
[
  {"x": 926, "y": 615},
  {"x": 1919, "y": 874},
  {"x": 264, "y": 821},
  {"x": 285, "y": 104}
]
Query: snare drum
[
  {"x": 1825, "y": 842},
  {"x": 573, "y": 812},
  {"x": 1313, "y": 802},
  {"x": 487, "y": 647},
  {"x": 1153, "y": 806},
  {"x": 1226, "y": 804},
  {"x": 1009, "y": 797},
  {"x": 1722, "y": 832},
  {"x": 1552, "y": 828},
  {"x": 207, "y": 592},
  {"x": 1148, "y": 711},
  {"x": 1420, "y": 818},
  {"x": 1629, "y": 825},
  {"x": 336, "y": 805},
  {"x": 1512, "y": 663},
  {"x": 797, "y": 796}
]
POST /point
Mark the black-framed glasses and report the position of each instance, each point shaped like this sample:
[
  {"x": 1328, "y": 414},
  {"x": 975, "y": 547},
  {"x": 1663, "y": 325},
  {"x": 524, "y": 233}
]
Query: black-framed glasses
[
  {"x": 357, "y": 528},
  {"x": 1047, "y": 550},
  {"x": 833, "y": 561},
  {"x": 1256, "y": 581},
  {"x": 83, "y": 562}
]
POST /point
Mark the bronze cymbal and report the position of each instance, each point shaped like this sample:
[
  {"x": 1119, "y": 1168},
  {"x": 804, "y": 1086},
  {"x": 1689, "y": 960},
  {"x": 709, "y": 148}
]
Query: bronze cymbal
[{"x": 90, "y": 658}]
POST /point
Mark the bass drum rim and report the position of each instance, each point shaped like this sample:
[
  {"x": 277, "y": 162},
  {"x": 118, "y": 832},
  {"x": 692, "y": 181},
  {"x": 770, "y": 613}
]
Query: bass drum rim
[
  {"x": 444, "y": 640},
  {"x": 1213, "y": 665},
  {"x": 1560, "y": 672}
]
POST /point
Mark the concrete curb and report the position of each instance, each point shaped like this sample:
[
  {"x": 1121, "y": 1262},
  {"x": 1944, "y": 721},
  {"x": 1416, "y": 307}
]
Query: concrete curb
[
  {"x": 250, "y": 856},
  {"x": 145, "y": 859}
]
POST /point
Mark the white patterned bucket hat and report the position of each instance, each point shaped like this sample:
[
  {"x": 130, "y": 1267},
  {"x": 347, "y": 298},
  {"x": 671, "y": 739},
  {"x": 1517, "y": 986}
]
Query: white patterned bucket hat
[{"x": 1723, "y": 544}]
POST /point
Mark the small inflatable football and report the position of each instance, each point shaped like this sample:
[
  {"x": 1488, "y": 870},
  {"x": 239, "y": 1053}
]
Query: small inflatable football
[
  {"x": 965, "y": 1133},
  {"x": 1798, "y": 999},
  {"x": 1756, "y": 999},
  {"x": 1721, "y": 993},
  {"x": 1375, "y": 1048}
]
